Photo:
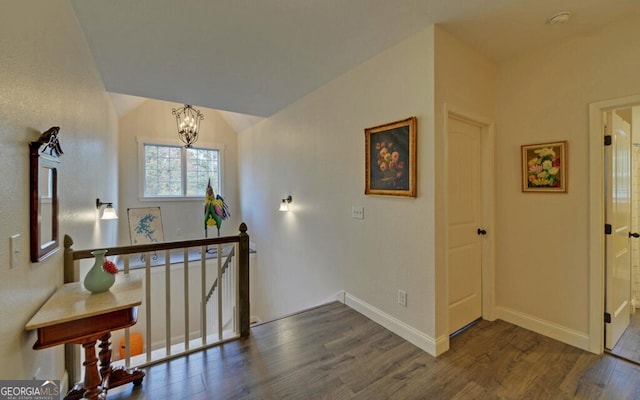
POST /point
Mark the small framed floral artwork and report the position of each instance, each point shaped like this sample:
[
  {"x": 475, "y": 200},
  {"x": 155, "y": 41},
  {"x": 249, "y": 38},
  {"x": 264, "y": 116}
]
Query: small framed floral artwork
[
  {"x": 390, "y": 159},
  {"x": 544, "y": 167}
]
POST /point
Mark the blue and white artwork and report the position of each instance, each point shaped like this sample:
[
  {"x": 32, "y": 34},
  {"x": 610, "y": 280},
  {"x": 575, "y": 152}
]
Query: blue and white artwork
[{"x": 145, "y": 225}]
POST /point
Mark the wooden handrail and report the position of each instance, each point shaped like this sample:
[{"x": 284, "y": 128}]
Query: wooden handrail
[{"x": 143, "y": 248}]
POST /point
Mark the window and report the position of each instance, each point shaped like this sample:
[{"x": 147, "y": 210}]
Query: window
[{"x": 174, "y": 171}]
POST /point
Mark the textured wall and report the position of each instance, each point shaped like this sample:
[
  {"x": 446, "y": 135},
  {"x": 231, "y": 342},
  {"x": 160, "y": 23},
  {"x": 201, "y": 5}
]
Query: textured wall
[
  {"x": 48, "y": 78},
  {"x": 543, "y": 239},
  {"x": 314, "y": 151},
  {"x": 183, "y": 219},
  {"x": 464, "y": 80}
]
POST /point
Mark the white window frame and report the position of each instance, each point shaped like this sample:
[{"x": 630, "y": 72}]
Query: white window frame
[{"x": 143, "y": 140}]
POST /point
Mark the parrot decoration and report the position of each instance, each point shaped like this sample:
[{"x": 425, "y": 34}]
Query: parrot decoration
[{"x": 215, "y": 209}]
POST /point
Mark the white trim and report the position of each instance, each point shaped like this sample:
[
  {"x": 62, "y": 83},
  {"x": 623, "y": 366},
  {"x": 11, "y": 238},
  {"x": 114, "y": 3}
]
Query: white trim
[
  {"x": 405, "y": 331},
  {"x": 488, "y": 209},
  {"x": 176, "y": 142},
  {"x": 596, "y": 217},
  {"x": 166, "y": 199},
  {"x": 442, "y": 345},
  {"x": 339, "y": 296},
  {"x": 544, "y": 327}
]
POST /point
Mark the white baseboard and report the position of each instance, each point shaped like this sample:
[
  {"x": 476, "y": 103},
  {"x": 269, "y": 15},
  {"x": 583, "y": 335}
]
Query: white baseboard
[
  {"x": 338, "y": 296},
  {"x": 543, "y": 327},
  {"x": 405, "y": 331},
  {"x": 442, "y": 344}
]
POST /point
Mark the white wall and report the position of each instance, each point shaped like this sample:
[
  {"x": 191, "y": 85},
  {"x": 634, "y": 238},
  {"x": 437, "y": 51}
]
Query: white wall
[
  {"x": 181, "y": 220},
  {"x": 314, "y": 151},
  {"x": 48, "y": 78},
  {"x": 543, "y": 239},
  {"x": 465, "y": 81}
]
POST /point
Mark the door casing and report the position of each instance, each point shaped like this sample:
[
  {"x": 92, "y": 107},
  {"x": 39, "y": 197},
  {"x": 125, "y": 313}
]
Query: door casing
[
  {"x": 596, "y": 217},
  {"x": 618, "y": 183},
  {"x": 488, "y": 201}
]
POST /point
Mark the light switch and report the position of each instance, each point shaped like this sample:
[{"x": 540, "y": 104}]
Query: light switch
[{"x": 15, "y": 247}]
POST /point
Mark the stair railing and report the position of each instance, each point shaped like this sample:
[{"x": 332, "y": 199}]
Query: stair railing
[{"x": 238, "y": 266}]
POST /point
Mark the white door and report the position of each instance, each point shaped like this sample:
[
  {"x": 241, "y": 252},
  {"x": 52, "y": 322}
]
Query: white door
[
  {"x": 618, "y": 216},
  {"x": 464, "y": 219}
]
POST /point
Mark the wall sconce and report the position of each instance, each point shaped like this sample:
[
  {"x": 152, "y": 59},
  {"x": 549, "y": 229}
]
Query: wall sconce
[
  {"x": 284, "y": 205},
  {"x": 109, "y": 211}
]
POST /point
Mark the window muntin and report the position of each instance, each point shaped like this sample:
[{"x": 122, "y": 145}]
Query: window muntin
[
  {"x": 173, "y": 171},
  {"x": 202, "y": 165}
]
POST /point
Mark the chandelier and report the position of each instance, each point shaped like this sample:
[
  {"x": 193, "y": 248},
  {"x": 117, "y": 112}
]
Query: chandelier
[{"x": 188, "y": 123}]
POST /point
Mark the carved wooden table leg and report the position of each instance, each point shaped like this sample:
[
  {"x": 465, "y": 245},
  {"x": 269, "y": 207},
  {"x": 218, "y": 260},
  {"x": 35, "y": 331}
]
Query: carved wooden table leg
[
  {"x": 72, "y": 315},
  {"x": 105, "y": 357},
  {"x": 113, "y": 377},
  {"x": 91, "y": 388},
  {"x": 108, "y": 377},
  {"x": 75, "y": 393}
]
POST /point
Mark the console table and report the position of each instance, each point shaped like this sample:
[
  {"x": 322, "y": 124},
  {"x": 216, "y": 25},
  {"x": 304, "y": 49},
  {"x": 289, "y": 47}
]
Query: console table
[{"x": 74, "y": 315}]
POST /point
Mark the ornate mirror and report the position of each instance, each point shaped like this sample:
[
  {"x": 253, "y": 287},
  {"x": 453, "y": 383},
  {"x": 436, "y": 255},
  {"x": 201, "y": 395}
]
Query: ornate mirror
[{"x": 44, "y": 160}]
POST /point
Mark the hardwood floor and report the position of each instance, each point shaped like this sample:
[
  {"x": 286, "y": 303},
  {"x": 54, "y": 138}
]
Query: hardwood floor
[
  {"x": 333, "y": 352},
  {"x": 629, "y": 344}
]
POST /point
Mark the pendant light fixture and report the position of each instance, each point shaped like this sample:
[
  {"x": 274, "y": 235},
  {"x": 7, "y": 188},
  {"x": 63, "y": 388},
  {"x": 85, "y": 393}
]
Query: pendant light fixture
[{"x": 188, "y": 124}]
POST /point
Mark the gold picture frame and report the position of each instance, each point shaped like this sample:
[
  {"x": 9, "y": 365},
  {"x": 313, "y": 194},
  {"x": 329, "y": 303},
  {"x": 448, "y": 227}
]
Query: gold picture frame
[
  {"x": 544, "y": 167},
  {"x": 390, "y": 159}
]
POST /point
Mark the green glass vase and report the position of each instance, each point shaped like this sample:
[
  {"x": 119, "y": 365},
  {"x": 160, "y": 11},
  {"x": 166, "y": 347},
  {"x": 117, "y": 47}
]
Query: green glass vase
[{"x": 98, "y": 280}]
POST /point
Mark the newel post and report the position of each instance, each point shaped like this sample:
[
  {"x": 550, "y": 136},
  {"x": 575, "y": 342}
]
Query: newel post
[
  {"x": 243, "y": 281},
  {"x": 72, "y": 360},
  {"x": 70, "y": 273}
]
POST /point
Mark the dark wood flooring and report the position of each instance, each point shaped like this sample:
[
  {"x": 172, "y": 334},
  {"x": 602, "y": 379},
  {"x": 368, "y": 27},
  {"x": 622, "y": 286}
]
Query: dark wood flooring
[
  {"x": 629, "y": 344},
  {"x": 333, "y": 352}
]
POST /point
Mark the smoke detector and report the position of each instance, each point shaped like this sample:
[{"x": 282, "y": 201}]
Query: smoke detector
[{"x": 559, "y": 18}]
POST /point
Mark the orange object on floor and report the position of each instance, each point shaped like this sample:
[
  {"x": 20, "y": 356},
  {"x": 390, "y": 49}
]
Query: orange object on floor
[{"x": 136, "y": 345}]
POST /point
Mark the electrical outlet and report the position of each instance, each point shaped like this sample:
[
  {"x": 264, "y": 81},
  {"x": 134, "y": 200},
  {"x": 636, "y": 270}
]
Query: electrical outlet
[
  {"x": 357, "y": 212},
  {"x": 402, "y": 298}
]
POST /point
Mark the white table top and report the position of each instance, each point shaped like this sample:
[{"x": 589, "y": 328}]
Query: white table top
[{"x": 72, "y": 302}]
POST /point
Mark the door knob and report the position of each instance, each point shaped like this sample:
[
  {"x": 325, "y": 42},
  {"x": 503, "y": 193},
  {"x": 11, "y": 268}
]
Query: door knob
[
  {"x": 634, "y": 235},
  {"x": 483, "y": 232}
]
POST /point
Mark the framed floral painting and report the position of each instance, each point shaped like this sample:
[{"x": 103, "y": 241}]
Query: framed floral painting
[
  {"x": 544, "y": 167},
  {"x": 390, "y": 159}
]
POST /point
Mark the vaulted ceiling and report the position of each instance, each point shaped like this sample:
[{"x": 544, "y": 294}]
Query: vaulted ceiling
[{"x": 258, "y": 56}]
